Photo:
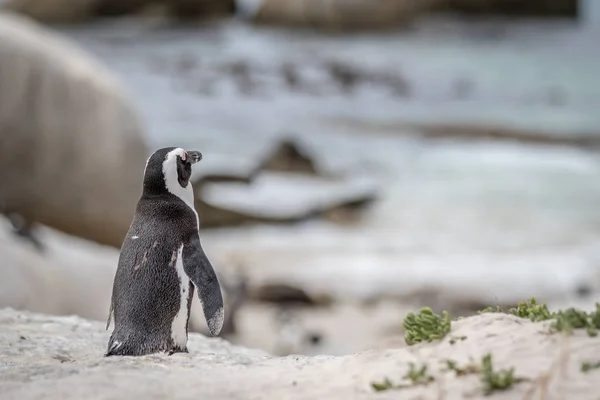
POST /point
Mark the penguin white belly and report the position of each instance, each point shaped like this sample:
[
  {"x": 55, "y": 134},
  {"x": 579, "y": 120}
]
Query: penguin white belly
[{"x": 178, "y": 326}]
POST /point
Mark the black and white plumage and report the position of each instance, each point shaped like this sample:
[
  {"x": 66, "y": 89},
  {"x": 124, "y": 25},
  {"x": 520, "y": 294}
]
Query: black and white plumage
[{"x": 161, "y": 263}]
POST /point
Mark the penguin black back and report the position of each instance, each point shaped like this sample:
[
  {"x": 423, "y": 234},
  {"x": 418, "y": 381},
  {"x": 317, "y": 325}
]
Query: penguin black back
[{"x": 161, "y": 263}]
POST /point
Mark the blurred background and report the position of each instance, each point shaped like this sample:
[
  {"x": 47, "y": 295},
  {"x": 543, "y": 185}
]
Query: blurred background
[{"x": 362, "y": 158}]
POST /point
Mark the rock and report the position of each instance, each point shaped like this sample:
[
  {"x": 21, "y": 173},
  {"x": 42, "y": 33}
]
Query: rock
[
  {"x": 279, "y": 197},
  {"x": 221, "y": 187},
  {"x": 66, "y": 11},
  {"x": 72, "y": 147},
  {"x": 72, "y": 276},
  {"x": 53, "y": 11},
  {"x": 186, "y": 9},
  {"x": 283, "y": 294},
  {"x": 337, "y": 14},
  {"x": 47, "y": 357},
  {"x": 236, "y": 290},
  {"x": 538, "y": 8},
  {"x": 232, "y": 192},
  {"x": 290, "y": 156}
]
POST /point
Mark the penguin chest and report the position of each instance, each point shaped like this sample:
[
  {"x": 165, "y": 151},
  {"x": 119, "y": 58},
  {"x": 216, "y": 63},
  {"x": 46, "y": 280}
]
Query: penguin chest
[{"x": 179, "y": 324}]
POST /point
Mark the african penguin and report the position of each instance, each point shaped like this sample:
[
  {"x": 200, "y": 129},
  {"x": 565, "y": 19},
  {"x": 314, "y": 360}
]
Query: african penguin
[{"x": 160, "y": 264}]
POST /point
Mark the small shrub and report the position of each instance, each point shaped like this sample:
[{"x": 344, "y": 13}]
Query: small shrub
[
  {"x": 496, "y": 380},
  {"x": 416, "y": 376},
  {"x": 595, "y": 317},
  {"x": 383, "y": 386},
  {"x": 569, "y": 319},
  {"x": 491, "y": 309},
  {"x": 492, "y": 380},
  {"x": 471, "y": 368},
  {"x": 425, "y": 326},
  {"x": 587, "y": 367},
  {"x": 564, "y": 320},
  {"x": 532, "y": 310}
]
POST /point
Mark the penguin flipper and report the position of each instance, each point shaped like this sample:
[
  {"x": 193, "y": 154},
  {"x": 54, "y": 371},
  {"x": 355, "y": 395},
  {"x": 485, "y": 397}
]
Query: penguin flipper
[
  {"x": 110, "y": 313},
  {"x": 200, "y": 271}
]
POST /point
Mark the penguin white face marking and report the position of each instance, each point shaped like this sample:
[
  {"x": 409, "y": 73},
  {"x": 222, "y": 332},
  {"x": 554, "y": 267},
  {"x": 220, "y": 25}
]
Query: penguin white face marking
[{"x": 177, "y": 170}]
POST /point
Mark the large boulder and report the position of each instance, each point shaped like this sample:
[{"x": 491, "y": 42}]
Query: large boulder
[
  {"x": 336, "y": 14},
  {"x": 370, "y": 14},
  {"x": 52, "y": 11},
  {"x": 72, "y": 146},
  {"x": 538, "y": 8},
  {"x": 76, "y": 11}
]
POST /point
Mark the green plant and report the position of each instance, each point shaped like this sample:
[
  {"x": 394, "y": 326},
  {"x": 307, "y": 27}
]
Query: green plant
[
  {"x": 587, "y": 367},
  {"x": 532, "y": 310},
  {"x": 492, "y": 380},
  {"x": 425, "y": 326},
  {"x": 416, "y": 376},
  {"x": 569, "y": 319},
  {"x": 496, "y": 380},
  {"x": 491, "y": 309},
  {"x": 595, "y": 317},
  {"x": 382, "y": 386},
  {"x": 471, "y": 368}
]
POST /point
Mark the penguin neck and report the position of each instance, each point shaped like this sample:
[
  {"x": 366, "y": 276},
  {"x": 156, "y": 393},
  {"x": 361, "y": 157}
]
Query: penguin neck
[
  {"x": 186, "y": 194},
  {"x": 171, "y": 182}
]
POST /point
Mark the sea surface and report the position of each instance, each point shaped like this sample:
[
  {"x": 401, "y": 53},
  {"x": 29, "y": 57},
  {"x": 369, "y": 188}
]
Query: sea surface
[{"x": 497, "y": 219}]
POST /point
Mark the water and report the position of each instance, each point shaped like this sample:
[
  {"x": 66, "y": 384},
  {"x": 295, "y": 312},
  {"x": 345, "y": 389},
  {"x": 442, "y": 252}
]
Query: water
[{"x": 502, "y": 219}]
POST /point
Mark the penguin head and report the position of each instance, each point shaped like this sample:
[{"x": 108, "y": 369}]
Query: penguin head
[{"x": 168, "y": 170}]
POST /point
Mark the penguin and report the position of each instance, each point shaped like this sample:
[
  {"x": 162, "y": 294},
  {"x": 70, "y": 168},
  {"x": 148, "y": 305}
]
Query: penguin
[{"x": 161, "y": 263}]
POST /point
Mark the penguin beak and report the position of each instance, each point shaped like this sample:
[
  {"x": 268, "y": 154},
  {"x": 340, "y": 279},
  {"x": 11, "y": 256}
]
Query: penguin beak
[{"x": 194, "y": 156}]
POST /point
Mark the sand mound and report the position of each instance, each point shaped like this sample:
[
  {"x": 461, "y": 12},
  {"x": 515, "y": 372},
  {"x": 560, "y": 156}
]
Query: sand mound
[{"x": 47, "y": 357}]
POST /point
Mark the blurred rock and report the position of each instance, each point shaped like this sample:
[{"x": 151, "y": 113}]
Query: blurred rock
[
  {"x": 285, "y": 198},
  {"x": 236, "y": 295},
  {"x": 26, "y": 230},
  {"x": 72, "y": 147},
  {"x": 231, "y": 192},
  {"x": 67, "y": 11},
  {"x": 290, "y": 156},
  {"x": 538, "y": 8},
  {"x": 72, "y": 276},
  {"x": 186, "y": 9},
  {"x": 282, "y": 294},
  {"x": 338, "y": 14},
  {"x": 54, "y": 11}
]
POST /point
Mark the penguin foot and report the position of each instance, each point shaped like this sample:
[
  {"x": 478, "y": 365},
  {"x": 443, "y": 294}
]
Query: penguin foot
[{"x": 177, "y": 350}]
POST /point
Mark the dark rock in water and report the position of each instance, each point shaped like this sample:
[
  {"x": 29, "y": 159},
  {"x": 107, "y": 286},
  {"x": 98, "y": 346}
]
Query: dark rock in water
[
  {"x": 230, "y": 193},
  {"x": 286, "y": 198},
  {"x": 340, "y": 15},
  {"x": 186, "y": 9},
  {"x": 529, "y": 8},
  {"x": 288, "y": 155},
  {"x": 287, "y": 295},
  {"x": 346, "y": 76},
  {"x": 216, "y": 217}
]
